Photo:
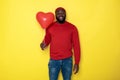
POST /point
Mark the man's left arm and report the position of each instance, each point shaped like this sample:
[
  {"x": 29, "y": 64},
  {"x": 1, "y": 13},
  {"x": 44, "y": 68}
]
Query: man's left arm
[{"x": 76, "y": 47}]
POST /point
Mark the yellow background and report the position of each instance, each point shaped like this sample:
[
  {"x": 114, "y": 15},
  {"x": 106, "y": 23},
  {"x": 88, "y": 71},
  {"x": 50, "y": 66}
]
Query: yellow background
[{"x": 20, "y": 35}]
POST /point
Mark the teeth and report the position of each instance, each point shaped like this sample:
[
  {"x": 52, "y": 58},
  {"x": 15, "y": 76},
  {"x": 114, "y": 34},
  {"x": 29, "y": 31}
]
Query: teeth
[{"x": 61, "y": 17}]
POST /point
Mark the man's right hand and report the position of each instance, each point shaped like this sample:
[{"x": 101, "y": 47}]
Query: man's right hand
[{"x": 42, "y": 45}]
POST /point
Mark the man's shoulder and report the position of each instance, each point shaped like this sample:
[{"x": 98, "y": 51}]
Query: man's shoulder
[
  {"x": 51, "y": 25},
  {"x": 71, "y": 25}
]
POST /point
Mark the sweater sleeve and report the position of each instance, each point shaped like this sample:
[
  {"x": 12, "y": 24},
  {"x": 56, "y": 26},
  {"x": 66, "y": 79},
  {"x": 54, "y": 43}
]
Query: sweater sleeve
[
  {"x": 47, "y": 37},
  {"x": 76, "y": 45}
]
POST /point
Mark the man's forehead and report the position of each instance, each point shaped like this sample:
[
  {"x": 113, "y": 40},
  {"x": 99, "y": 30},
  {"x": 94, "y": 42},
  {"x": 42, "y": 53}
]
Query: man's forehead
[{"x": 60, "y": 9}]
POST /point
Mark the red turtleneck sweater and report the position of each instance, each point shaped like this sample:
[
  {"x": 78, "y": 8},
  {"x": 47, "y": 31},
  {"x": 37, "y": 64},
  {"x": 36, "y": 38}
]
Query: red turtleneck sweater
[{"x": 62, "y": 38}]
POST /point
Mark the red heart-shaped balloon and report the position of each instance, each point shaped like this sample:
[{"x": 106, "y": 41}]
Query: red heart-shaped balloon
[{"x": 45, "y": 19}]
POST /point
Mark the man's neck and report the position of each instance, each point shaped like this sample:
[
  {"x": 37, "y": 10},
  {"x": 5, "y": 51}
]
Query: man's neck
[{"x": 61, "y": 22}]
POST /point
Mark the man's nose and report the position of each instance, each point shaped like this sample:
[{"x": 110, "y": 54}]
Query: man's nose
[{"x": 61, "y": 15}]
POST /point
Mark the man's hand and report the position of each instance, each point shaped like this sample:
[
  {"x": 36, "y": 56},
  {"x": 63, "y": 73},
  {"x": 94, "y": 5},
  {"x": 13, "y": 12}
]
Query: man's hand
[
  {"x": 76, "y": 68},
  {"x": 42, "y": 45}
]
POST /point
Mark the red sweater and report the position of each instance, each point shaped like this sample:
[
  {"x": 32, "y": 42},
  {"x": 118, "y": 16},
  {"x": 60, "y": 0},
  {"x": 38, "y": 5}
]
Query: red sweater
[{"x": 62, "y": 38}]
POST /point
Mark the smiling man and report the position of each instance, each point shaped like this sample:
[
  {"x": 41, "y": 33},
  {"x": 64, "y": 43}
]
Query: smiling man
[{"x": 62, "y": 37}]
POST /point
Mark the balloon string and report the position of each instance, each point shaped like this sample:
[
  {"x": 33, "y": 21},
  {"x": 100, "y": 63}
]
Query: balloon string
[{"x": 44, "y": 35}]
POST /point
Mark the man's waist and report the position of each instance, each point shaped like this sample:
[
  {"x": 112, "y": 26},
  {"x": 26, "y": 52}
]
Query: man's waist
[{"x": 58, "y": 56}]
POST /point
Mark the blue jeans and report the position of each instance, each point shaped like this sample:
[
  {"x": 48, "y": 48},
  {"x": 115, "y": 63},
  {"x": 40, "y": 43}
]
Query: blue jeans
[{"x": 65, "y": 65}]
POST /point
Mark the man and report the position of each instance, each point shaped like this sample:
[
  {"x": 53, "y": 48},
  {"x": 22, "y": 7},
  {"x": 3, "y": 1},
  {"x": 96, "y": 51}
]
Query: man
[{"x": 62, "y": 37}]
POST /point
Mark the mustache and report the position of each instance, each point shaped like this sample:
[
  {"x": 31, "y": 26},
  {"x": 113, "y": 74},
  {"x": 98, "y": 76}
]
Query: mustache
[
  {"x": 61, "y": 16},
  {"x": 60, "y": 21}
]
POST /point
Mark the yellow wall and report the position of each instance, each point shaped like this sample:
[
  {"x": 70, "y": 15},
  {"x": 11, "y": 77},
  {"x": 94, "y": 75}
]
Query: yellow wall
[{"x": 20, "y": 35}]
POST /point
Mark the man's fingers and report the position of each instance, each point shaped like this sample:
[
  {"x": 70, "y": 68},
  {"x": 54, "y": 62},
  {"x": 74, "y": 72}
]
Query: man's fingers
[
  {"x": 42, "y": 45},
  {"x": 76, "y": 69}
]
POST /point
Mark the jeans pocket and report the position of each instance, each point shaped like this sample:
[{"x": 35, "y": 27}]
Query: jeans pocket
[
  {"x": 70, "y": 60},
  {"x": 51, "y": 63}
]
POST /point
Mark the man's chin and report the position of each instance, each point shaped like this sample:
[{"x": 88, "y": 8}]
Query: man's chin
[{"x": 61, "y": 21}]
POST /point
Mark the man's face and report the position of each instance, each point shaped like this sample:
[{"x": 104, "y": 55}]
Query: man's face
[{"x": 60, "y": 15}]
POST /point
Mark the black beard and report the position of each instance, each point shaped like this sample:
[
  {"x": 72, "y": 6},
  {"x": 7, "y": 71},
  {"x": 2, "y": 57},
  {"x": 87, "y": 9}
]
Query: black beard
[{"x": 60, "y": 20}]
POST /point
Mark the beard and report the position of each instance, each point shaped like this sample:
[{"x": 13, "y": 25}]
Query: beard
[{"x": 61, "y": 21}]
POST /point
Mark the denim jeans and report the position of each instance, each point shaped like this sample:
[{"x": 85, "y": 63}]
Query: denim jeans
[{"x": 65, "y": 65}]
